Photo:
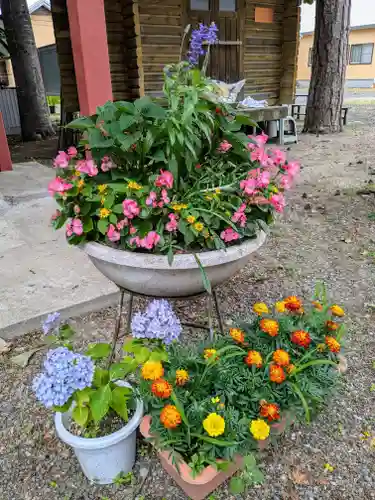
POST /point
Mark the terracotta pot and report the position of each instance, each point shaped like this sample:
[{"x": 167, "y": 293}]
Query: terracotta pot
[{"x": 202, "y": 485}]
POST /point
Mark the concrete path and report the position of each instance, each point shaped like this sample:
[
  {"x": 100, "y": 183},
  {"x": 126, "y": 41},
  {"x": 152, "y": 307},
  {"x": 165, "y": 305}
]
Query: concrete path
[{"x": 39, "y": 272}]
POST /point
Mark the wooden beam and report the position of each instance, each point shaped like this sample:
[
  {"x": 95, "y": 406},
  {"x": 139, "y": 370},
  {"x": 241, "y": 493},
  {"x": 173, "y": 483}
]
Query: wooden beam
[{"x": 137, "y": 28}]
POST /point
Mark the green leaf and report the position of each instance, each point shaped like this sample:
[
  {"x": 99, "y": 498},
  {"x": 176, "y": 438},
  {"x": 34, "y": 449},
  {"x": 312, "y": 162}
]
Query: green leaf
[
  {"x": 170, "y": 255},
  {"x": 109, "y": 200},
  {"x": 144, "y": 227},
  {"x": 60, "y": 221},
  {"x": 119, "y": 187},
  {"x": 80, "y": 415},
  {"x": 107, "y": 112},
  {"x": 127, "y": 121},
  {"x": 83, "y": 396},
  {"x": 103, "y": 226},
  {"x": 142, "y": 355},
  {"x": 159, "y": 156},
  {"x": 180, "y": 409},
  {"x": 113, "y": 219},
  {"x": 118, "y": 209},
  {"x": 101, "y": 377},
  {"x": 98, "y": 140},
  {"x": 99, "y": 351},
  {"x": 245, "y": 120},
  {"x": 299, "y": 393},
  {"x": 83, "y": 123},
  {"x": 125, "y": 106},
  {"x": 237, "y": 486},
  {"x": 66, "y": 332},
  {"x": 127, "y": 140},
  {"x": 205, "y": 280},
  {"x": 158, "y": 356},
  {"x": 88, "y": 225},
  {"x": 173, "y": 168},
  {"x": 120, "y": 396},
  {"x": 216, "y": 442},
  {"x": 249, "y": 461},
  {"x": 257, "y": 476},
  {"x": 100, "y": 401},
  {"x": 120, "y": 370},
  {"x": 316, "y": 362}
]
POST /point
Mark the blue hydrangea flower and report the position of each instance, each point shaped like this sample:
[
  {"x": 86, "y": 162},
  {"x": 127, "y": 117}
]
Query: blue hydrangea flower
[
  {"x": 64, "y": 373},
  {"x": 158, "y": 322},
  {"x": 51, "y": 323},
  {"x": 204, "y": 34}
]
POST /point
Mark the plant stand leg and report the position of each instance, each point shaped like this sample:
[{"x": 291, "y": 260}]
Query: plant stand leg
[
  {"x": 129, "y": 314},
  {"x": 218, "y": 312},
  {"x": 209, "y": 313},
  {"x": 117, "y": 327}
]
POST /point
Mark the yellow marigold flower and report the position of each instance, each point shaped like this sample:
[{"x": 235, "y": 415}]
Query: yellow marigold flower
[
  {"x": 182, "y": 377},
  {"x": 152, "y": 370},
  {"x": 214, "y": 425},
  {"x": 161, "y": 388},
  {"x": 321, "y": 347},
  {"x": 102, "y": 188},
  {"x": 290, "y": 368},
  {"x": 337, "y": 310},
  {"x": 332, "y": 325},
  {"x": 170, "y": 417},
  {"x": 215, "y": 400},
  {"x": 237, "y": 335},
  {"x": 280, "y": 306},
  {"x": 198, "y": 226},
  {"x": 293, "y": 303},
  {"x": 209, "y": 353},
  {"x": 281, "y": 357},
  {"x": 254, "y": 358},
  {"x": 104, "y": 213},
  {"x": 191, "y": 219},
  {"x": 178, "y": 206},
  {"x": 332, "y": 344},
  {"x": 259, "y": 429},
  {"x": 269, "y": 326},
  {"x": 260, "y": 308},
  {"x": 317, "y": 305},
  {"x": 134, "y": 185}
]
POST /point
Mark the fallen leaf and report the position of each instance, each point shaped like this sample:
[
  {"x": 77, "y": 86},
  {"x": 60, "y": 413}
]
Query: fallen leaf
[
  {"x": 300, "y": 477},
  {"x": 23, "y": 359},
  {"x": 4, "y": 346}
]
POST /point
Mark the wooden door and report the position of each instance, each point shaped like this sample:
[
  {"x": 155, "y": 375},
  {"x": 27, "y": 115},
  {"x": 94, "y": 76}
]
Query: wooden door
[{"x": 226, "y": 61}]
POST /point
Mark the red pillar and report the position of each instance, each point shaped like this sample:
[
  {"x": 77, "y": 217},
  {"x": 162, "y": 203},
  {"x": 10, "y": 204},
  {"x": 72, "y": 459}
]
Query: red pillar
[
  {"x": 5, "y": 159},
  {"x": 90, "y": 52}
]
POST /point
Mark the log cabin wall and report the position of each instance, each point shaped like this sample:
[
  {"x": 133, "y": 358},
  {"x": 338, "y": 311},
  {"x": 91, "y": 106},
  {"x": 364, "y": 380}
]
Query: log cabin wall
[{"x": 291, "y": 30}]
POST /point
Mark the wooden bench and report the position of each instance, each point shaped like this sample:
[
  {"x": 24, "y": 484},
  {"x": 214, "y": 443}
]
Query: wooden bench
[{"x": 267, "y": 114}]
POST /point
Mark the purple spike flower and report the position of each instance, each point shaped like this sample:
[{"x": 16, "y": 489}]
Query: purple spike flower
[
  {"x": 204, "y": 34},
  {"x": 51, "y": 323}
]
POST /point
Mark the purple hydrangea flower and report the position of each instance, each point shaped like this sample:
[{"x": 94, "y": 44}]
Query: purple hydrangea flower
[
  {"x": 207, "y": 34},
  {"x": 158, "y": 322},
  {"x": 64, "y": 373},
  {"x": 51, "y": 323}
]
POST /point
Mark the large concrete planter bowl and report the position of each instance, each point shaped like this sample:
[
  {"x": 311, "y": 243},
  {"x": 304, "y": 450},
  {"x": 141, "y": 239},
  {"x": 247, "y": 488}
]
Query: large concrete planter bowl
[{"x": 151, "y": 275}]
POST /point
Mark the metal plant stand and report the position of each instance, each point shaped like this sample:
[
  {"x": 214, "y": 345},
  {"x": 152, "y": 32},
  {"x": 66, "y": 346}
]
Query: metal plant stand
[{"x": 211, "y": 300}]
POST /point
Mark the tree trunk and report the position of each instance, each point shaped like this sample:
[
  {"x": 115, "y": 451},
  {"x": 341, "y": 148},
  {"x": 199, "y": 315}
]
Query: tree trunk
[
  {"x": 32, "y": 103},
  {"x": 329, "y": 60}
]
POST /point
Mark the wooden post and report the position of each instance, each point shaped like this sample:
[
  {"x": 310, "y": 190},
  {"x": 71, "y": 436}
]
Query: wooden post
[
  {"x": 5, "y": 159},
  {"x": 90, "y": 53}
]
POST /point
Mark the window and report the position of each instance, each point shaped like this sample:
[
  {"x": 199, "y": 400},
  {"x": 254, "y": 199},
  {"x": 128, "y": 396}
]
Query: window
[
  {"x": 309, "y": 57},
  {"x": 361, "y": 53},
  {"x": 227, "y": 5},
  {"x": 199, "y": 5}
]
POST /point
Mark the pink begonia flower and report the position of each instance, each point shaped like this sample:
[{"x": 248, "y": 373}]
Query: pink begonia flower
[
  {"x": 164, "y": 196},
  {"x": 224, "y": 147},
  {"x": 229, "y": 234},
  {"x": 55, "y": 215},
  {"x": 278, "y": 202},
  {"x": 292, "y": 168},
  {"x": 239, "y": 215},
  {"x": 150, "y": 200},
  {"x": 260, "y": 140},
  {"x": 132, "y": 229},
  {"x": 107, "y": 164},
  {"x": 262, "y": 178},
  {"x": 172, "y": 224},
  {"x": 87, "y": 167},
  {"x": 165, "y": 179},
  {"x": 286, "y": 181},
  {"x": 61, "y": 160},
  {"x": 148, "y": 242},
  {"x": 278, "y": 156},
  {"x": 130, "y": 208},
  {"x": 260, "y": 155},
  {"x": 58, "y": 185},
  {"x": 72, "y": 152},
  {"x": 75, "y": 226},
  {"x": 249, "y": 186},
  {"x": 122, "y": 223},
  {"x": 112, "y": 234}
]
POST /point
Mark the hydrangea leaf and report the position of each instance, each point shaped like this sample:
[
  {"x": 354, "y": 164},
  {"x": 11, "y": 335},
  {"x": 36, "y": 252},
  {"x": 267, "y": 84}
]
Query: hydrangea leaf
[
  {"x": 100, "y": 401},
  {"x": 80, "y": 415}
]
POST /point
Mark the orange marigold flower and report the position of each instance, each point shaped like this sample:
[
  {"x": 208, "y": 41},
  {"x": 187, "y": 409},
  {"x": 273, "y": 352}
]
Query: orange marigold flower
[
  {"x": 332, "y": 344},
  {"x": 281, "y": 357},
  {"x": 337, "y": 310},
  {"x": 269, "y": 326},
  {"x": 209, "y": 353},
  {"x": 182, "y": 377},
  {"x": 237, "y": 335},
  {"x": 277, "y": 374},
  {"x": 317, "y": 305},
  {"x": 254, "y": 358},
  {"x": 270, "y": 411},
  {"x": 290, "y": 368},
  {"x": 293, "y": 303},
  {"x": 332, "y": 325},
  {"x": 260, "y": 308},
  {"x": 152, "y": 370},
  {"x": 170, "y": 417},
  {"x": 161, "y": 388},
  {"x": 301, "y": 338}
]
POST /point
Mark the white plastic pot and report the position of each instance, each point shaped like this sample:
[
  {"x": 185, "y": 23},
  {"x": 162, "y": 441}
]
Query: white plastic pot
[{"x": 105, "y": 458}]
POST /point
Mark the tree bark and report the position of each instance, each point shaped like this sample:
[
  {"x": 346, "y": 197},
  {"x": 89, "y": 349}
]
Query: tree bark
[
  {"x": 32, "y": 103},
  {"x": 329, "y": 60}
]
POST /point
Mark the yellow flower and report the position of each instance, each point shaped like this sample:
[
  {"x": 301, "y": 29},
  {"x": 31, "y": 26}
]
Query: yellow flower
[
  {"x": 152, "y": 370},
  {"x": 102, "y": 200},
  {"x": 178, "y": 206},
  {"x": 80, "y": 184},
  {"x": 217, "y": 190},
  {"x": 221, "y": 406},
  {"x": 134, "y": 185},
  {"x": 260, "y": 308},
  {"x": 182, "y": 377},
  {"x": 215, "y": 400},
  {"x": 274, "y": 189},
  {"x": 209, "y": 197},
  {"x": 337, "y": 310},
  {"x": 209, "y": 353},
  {"x": 77, "y": 173},
  {"x": 198, "y": 226},
  {"x": 280, "y": 306},
  {"x": 102, "y": 188},
  {"x": 329, "y": 468},
  {"x": 104, "y": 213},
  {"x": 191, "y": 219},
  {"x": 321, "y": 347},
  {"x": 214, "y": 425},
  {"x": 259, "y": 429}
]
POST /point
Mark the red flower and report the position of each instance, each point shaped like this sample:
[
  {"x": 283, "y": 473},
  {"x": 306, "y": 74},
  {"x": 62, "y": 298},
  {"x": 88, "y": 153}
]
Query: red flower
[{"x": 301, "y": 338}]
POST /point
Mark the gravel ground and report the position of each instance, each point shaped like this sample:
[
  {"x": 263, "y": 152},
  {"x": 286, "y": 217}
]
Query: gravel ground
[{"x": 325, "y": 235}]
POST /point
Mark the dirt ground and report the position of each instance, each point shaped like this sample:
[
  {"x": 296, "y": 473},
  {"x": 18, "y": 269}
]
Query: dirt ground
[{"x": 326, "y": 234}]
